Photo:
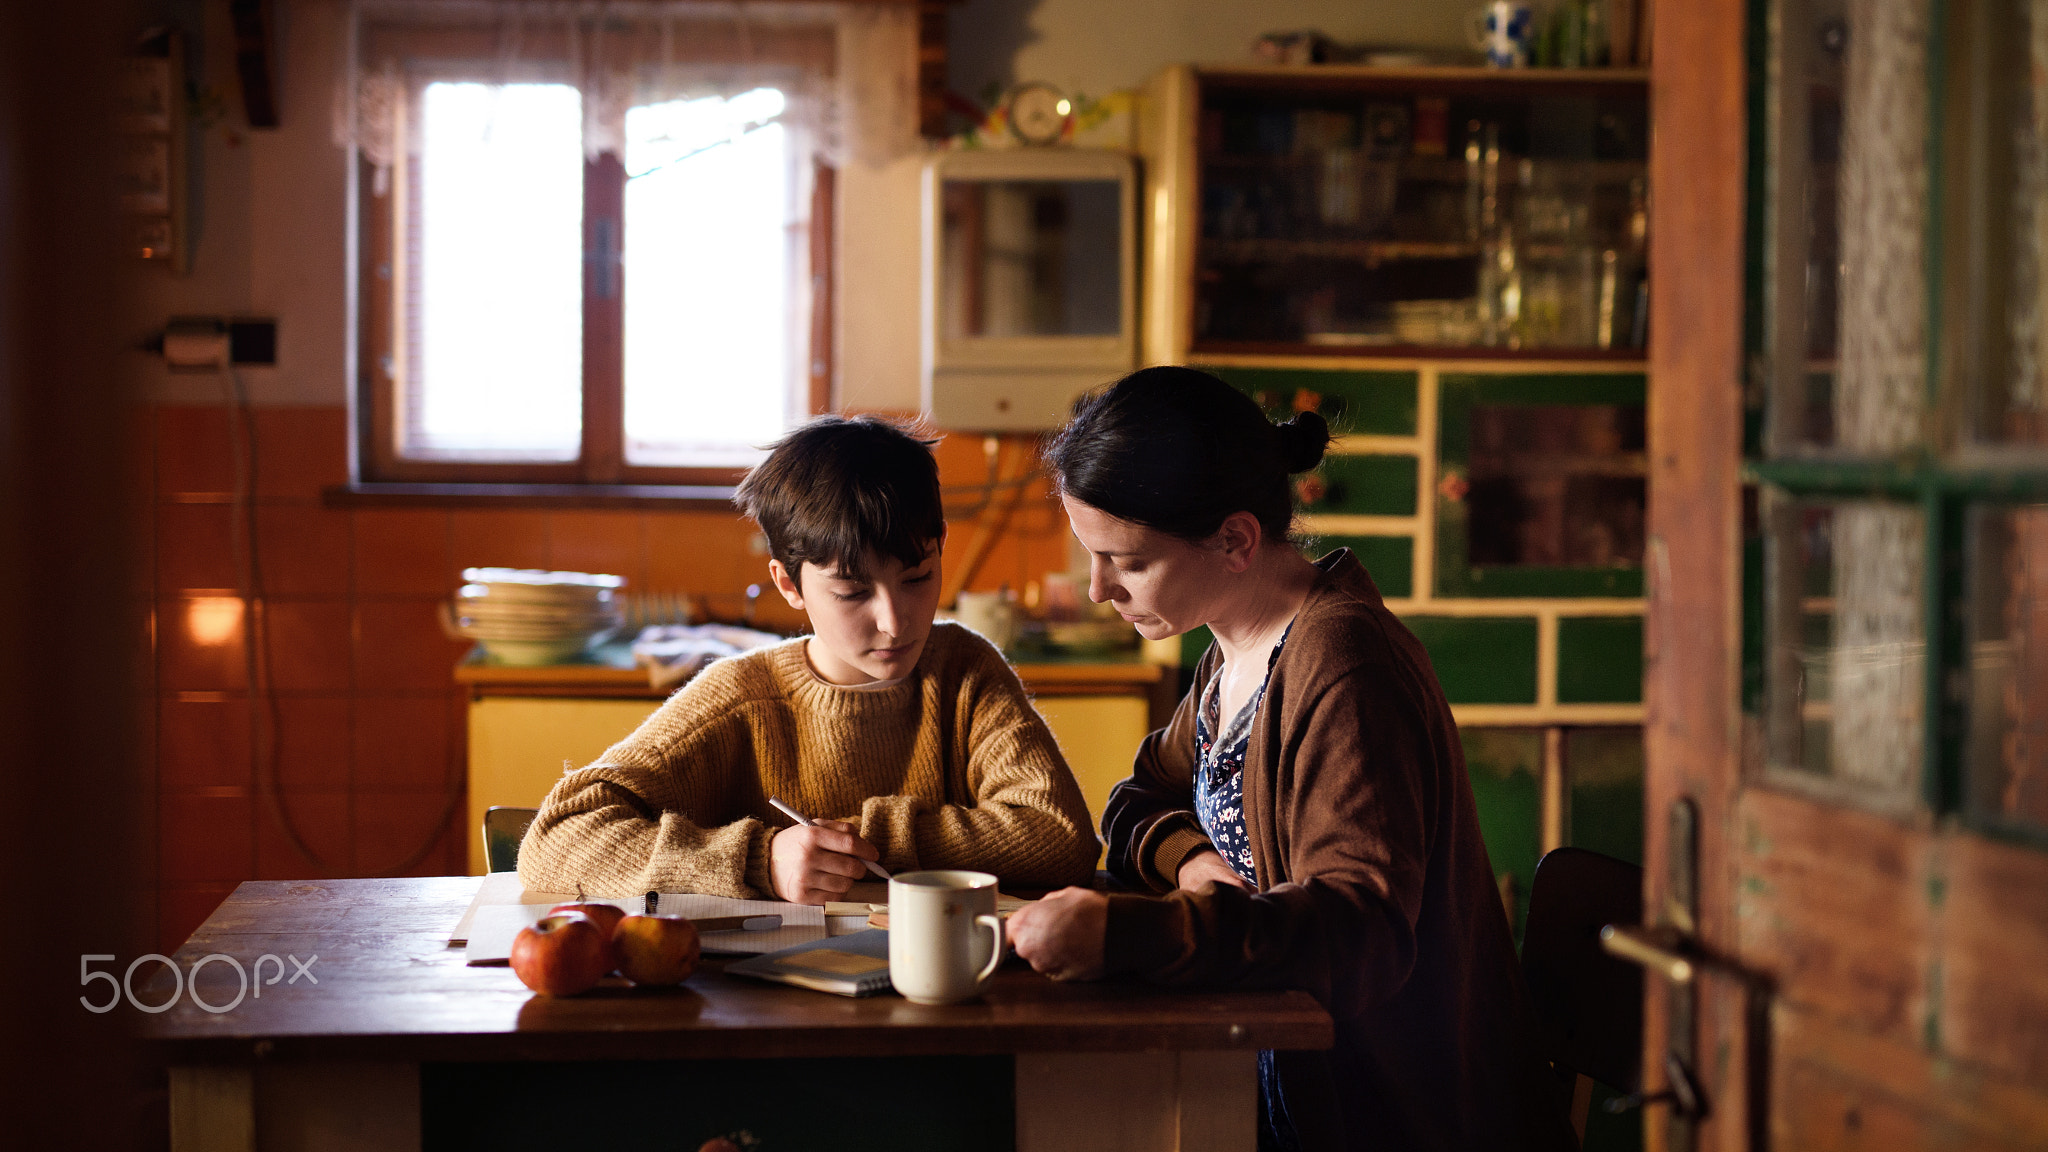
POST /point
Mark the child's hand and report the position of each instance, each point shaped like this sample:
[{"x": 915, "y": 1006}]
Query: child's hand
[
  {"x": 818, "y": 864},
  {"x": 1062, "y": 934}
]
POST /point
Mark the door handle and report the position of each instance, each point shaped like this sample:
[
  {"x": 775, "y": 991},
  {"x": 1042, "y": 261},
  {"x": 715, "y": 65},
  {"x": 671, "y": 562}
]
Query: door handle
[
  {"x": 1660, "y": 949},
  {"x": 1672, "y": 954}
]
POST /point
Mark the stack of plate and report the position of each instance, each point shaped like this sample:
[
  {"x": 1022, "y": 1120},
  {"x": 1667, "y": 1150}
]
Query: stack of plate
[{"x": 526, "y": 616}]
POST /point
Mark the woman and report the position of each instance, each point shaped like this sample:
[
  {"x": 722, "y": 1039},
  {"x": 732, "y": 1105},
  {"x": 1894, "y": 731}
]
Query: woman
[{"x": 1306, "y": 815}]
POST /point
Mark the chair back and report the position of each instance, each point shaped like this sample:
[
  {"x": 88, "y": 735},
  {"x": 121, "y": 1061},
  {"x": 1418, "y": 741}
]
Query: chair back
[
  {"x": 1589, "y": 1005},
  {"x": 504, "y": 828}
]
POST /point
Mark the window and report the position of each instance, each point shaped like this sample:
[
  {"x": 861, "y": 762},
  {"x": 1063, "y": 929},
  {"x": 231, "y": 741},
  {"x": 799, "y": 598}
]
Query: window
[
  {"x": 1896, "y": 648},
  {"x": 593, "y": 251}
]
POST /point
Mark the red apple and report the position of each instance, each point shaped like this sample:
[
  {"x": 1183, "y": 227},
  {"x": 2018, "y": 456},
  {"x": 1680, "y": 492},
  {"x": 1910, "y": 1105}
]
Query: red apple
[
  {"x": 656, "y": 949},
  {"x": 562, "y": 955},
  {"x": 606, "y": 915}
]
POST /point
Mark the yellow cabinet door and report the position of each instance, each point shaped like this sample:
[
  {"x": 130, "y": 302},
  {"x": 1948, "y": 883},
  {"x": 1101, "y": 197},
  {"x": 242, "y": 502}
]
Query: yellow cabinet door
[
  {"x": 1099, "y": 736},
  {"x": 519, "y": 746}
]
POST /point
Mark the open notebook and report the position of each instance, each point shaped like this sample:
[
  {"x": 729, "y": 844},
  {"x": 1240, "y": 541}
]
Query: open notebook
[{"x": 503, "y": 907}]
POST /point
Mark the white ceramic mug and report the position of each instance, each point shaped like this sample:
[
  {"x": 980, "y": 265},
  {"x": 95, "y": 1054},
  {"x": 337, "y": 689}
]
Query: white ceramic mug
[{"x": 945, "y": 940}]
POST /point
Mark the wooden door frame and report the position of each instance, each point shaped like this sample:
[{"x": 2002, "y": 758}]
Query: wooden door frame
[{"x": 1692, "y": 729}]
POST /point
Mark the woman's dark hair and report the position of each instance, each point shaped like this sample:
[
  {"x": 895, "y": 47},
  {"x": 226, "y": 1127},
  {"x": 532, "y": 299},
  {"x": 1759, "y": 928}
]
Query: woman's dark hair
[
  {"x": 839, "y": 488},
  {"x": 1178, "y": 450}
]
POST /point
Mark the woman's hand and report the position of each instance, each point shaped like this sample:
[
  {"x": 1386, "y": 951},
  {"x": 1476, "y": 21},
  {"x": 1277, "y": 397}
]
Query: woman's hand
[
  {"x": 1062, "y": 934},
  {"x": 817, "y": 864},
  {"x": 1203, "y": 867}
]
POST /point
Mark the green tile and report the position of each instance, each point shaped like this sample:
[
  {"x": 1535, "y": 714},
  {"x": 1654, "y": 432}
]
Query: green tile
[
  {"x": 1605, "y": 766},
  {"x": 1390, "y": 560},
  {"x": 1600, "y": 660},
  {"x": 1481, "y": 660},
  {"x": 1377, "y": 403},
  {"x": 1366, "y": 486},
  {"x": 1505, "y": 767}
]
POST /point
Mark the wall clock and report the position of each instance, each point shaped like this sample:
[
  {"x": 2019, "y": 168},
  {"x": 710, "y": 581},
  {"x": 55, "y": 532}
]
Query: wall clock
[{"x": 1038, "y": 113}]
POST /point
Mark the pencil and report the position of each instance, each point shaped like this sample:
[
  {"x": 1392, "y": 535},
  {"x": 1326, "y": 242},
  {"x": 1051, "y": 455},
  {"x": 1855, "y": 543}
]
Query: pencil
[{"x": 793, "y": 814}]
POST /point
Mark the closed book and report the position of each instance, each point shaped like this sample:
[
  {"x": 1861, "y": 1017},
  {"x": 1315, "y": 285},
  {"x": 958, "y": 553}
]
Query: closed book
[{"x": 853, "y": 965}]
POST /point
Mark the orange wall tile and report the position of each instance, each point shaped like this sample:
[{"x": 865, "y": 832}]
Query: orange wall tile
[
  {"x": 195, "y": 547},
  {"x": 309, "y": 643},
  {"x": 315, "y": 743},
  {"x": 325, "y": 831},
  {"x": 303, "y": 551},
  {"x": 488, "y": 539},
  {"x": 611, "y": 542},
  {"x": 202, "y": 744},
  {"x": 403, "y": 552}
]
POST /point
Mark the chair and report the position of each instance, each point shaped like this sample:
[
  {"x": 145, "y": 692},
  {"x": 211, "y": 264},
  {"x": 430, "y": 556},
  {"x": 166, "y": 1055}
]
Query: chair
[
  {"x": 1589, "y": 1005},
  {"x": 504, "y": 828}
]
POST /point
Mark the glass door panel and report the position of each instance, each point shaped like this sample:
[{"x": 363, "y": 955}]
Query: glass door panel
[{"x": 1845, "y": 650}]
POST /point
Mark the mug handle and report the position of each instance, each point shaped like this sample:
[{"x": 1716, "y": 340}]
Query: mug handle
[{"x": 995, "y": 954}]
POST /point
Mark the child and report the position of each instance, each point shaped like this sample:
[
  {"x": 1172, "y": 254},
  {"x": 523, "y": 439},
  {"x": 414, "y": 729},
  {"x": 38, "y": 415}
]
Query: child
[{"x": 908, "y": 741}]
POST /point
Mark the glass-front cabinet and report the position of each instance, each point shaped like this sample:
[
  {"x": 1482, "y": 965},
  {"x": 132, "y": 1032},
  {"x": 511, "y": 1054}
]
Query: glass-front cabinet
[{"x": 1457, "y": 212}]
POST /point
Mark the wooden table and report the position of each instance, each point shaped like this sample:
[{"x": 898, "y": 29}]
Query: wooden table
[{"x": 339, "y": 1063}]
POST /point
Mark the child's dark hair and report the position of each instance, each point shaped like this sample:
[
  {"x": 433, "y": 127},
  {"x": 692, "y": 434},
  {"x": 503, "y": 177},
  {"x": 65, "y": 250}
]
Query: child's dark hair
[
  {"x": 841, "y": 487},
  {"x": 1178, "y": 450}
]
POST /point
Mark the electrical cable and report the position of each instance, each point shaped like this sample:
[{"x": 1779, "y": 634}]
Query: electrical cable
[
  {"x": 267, "y": 721},
  {"x": 265, "y": 714}
]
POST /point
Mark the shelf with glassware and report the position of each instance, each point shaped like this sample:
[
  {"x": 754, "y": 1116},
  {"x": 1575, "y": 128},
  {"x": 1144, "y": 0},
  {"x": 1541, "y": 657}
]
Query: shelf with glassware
[
  {"x": 1420, "y": 255},
  {"x": 1440, "y": 212}
]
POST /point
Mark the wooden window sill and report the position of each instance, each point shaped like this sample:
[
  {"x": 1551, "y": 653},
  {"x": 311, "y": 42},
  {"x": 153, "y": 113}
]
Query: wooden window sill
[{"x": 666, "y": 497}]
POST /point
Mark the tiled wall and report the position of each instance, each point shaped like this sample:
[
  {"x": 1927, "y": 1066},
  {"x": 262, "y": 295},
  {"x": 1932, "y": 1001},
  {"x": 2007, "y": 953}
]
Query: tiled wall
[{"x": 371, "y": 731}]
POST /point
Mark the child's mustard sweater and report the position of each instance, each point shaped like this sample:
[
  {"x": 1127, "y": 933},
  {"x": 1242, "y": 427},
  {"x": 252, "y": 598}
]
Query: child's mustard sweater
[{"x": 951, "y": 768}]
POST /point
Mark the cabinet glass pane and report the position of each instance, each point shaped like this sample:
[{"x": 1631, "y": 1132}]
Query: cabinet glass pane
[
  {"x": 1845, "y": 648},
  {"x": 1556, "y": 485},
  {"x": 1540, "y": 485},
  {"x": 2008, "y": 743},
  {"x": 1468, "y": 215}
]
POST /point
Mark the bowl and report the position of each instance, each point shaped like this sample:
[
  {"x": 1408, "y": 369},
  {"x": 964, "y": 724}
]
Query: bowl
[{"x": 533, "y": 653}]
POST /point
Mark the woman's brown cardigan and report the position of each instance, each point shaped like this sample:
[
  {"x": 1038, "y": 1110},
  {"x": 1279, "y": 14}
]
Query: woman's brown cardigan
[{"x": 1374, "y": 891}]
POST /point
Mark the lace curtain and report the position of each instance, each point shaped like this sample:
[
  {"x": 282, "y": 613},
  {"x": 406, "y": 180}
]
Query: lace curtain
[
  {"x": 1878, "y": 674},
  {"x": 848, "y": 70}
]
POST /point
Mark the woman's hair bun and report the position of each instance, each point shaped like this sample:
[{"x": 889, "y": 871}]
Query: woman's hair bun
[{"x": 1302, "y": 441}]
